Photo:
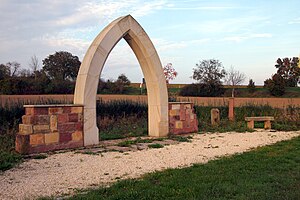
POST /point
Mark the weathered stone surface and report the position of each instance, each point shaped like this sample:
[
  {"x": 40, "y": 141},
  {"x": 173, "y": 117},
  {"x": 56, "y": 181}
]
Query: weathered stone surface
[
  {"x": 37, "y": 139},
  {"x": 77, "y": 136},
  {"x": 178, "y": 125},
  {"x": 41, "y": 128},
  {"x": 62, "y": 118},
  {"x": 25, "y": 129},
  {"x": 28, "y": 119},
  {"x": 51, "y": 138},
  {"x": 22, "y": 144},
  {"x": 65, "y": 137},
  {"x": 53, "y": 123},
  {"x": 36, "y": 111},
  {"x": 73, "y": 117},
  {"x": 215, "y": 116},
  {"x": 77, "y": 110},
  {"x": 55, "y": 110}
]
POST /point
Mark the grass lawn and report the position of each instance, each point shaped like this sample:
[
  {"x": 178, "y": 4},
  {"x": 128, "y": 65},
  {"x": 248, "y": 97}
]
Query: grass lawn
[{"x": 271, "y": 172}]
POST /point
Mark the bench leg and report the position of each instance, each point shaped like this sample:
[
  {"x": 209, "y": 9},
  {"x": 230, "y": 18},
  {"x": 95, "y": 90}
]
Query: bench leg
[
  {"x": 250, "y": 124},
  {"x": 268, "y": 124}
]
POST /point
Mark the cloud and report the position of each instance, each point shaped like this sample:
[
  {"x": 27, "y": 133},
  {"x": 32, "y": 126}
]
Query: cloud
[
  {"x": 295, "y": 21},
  {"x": 247, "y": 37}
]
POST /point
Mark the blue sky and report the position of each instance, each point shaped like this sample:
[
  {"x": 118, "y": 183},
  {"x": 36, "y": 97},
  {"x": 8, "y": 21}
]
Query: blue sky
[{"x": 248, "y": 35}]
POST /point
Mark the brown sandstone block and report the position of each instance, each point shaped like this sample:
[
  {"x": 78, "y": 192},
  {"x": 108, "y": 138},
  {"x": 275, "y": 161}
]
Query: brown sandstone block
[
  {"x": 55, "y": 110},
  {"x": 53, "y": 123},
  {"x": 25, "y": 129},
  {"x": 79, "y": 126},
  {"x": 62, "y": 118},
  {"x": 36, "y": 111},
  {"x": 77, "y": 136},
  {"x": 178, "y": 125},
  {"x": 173, "y": 112},
  {"x": 51, "y": 138},
  {"x": 28, "y": 119},
  {"x": 41, "y": 128},
  {"x": 67, "y": 127},
  {"x": 65, "y": 137},
  {"x": 187, "y": 106},
  {"x": 76, "y": 109},
  {"x": 73, "y": 117},
  {"x": 67, "y": 109},
  {"x": 182, "y": 115},
  {"x": 37, "y": 139},
  {"x": 41, "y": 119},
  {"x": 22, "y": 144},
  {"x": 175, "y": 107}
]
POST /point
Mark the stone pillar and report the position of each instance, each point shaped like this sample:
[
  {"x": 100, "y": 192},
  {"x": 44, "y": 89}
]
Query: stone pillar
[
  {"x": 215, "y": 116},
  {"x": 231, "y": 109},
  {"x": 182, "y": 118}
]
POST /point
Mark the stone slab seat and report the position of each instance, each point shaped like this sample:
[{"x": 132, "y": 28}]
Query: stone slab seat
[{"x": 266, "y": 119}]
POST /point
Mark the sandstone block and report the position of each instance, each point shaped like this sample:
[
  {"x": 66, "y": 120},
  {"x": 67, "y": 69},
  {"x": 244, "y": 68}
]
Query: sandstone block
[
  {"x": 173, "y": 113},
  {"x": 65, "y": 137},
  {"x": 77, "y": 136},
  {"x": 73, "y": 117},
  {"x": 55, "y": 110},
  {"x": 175, "y": 106},
  {"x": 25, "y": 129},
  {"x": 62, "y": 118},
  {"x": 76, "y": 109},
  {"x": 41, "y": 128},
  {"x": 67, "y": 127},
  {"x": 67, "y": 109},
  {"x": 22, "y": 144},
  {"x": 178, "y": 125},
  {"x": 37, "y": 139},
  {"x": 53, "y": 123},
  {"x": 28, "y": 119},
  {"x": 41, "y": 119},
  {"x": 51, "y": 138}
]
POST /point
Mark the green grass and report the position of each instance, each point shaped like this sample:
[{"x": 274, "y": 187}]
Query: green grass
[
  {"x": 155, "y": 146},
  {"x": 271, "y": 172}
]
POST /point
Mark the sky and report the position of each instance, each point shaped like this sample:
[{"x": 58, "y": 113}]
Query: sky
[{"x": 248, "y": 35}]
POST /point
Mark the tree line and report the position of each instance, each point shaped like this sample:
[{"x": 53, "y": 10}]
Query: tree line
[{"x": 56, "y": 76}]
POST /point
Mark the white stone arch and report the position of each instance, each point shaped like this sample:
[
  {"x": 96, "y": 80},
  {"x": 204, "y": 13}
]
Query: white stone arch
[{"x": 91, "y": 67}]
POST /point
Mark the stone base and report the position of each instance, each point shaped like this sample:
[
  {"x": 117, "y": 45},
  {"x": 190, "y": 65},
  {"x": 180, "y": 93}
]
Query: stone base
[
  {"x": 182, "y": 118},
  {"x": 50, "y": 127}
]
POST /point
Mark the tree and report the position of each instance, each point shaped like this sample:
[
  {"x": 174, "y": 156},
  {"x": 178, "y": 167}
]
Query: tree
[
  {"x": 14, "y": 68},
  {"x": 288, "y": 69},
  {"x": 275, "y": 85},
  {"x": 251, "y": 86},
  {"x": 4, "y": 71},
  {"x": 122, "y": 78},
  {"x": 61, "y": 66},
  {"x": 209, "y": 72},
  {"x": 234, "y": 78},
  {"x": 169, "y": 72}
]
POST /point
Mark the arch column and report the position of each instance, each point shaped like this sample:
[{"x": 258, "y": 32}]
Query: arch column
[{"x": 91, "y": 67}]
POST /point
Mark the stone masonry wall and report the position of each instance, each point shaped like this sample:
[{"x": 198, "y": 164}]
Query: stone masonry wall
[
  {"x": 182, "y": 118},
  {"x": 50, "y": 127}
]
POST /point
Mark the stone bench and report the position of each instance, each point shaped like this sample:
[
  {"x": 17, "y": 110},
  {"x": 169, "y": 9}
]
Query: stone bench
[{"x": 266, "y": 119}]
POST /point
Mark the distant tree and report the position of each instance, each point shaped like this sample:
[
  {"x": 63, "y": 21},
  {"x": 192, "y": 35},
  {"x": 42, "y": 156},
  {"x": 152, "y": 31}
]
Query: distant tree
[
  {"x": 122, "y": 78},
  {"x": 14, "y": 68},
  {"x": 201, "y": 90},
  {"x": 234, "y": 78},
  {"x": 209, "y": 74},
  {"x": 275, "y": 85},
  {"x": 251, "y": 86},
  {"x": 170, "y": 72},
  {"x": 4, "y": 71},
  {"x": 61, "y": 66},
  {"x": 34, "y": 63},
  {"x": 288, "y": 69}
]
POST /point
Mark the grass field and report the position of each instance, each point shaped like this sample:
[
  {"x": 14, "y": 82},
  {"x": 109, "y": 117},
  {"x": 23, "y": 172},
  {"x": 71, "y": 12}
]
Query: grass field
[{"x": 271, "y": 172}]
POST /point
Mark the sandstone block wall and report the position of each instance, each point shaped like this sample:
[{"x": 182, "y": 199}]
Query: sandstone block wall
[
  {"x": 182, "y": 118},
  {"x": 50, "y": 127}
]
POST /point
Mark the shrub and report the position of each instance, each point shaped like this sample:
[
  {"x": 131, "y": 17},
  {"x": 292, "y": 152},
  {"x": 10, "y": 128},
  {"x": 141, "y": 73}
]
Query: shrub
[
  {"x": 276, "y": 85},
  {"x": 202, "y": 89}
]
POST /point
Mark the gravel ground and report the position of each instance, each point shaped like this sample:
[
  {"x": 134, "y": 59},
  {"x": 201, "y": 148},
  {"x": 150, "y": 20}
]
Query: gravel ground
[{"x": 64, "y": 173}]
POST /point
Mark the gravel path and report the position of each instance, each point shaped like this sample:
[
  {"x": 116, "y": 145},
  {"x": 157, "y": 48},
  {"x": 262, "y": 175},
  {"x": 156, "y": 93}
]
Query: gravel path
[{"x": 65, "y": 172}]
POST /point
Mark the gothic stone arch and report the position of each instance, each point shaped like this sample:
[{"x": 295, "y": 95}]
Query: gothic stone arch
[{"x": 89, "y": 73}]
